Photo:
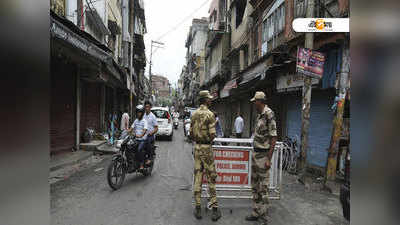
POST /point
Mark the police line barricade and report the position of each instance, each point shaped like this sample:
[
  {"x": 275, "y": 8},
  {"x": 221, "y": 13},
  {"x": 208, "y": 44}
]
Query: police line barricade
[{"x": 233, "y": 166}]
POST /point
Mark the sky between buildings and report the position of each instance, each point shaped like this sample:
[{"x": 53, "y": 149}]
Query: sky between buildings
[{"x": 161, "y": 17}]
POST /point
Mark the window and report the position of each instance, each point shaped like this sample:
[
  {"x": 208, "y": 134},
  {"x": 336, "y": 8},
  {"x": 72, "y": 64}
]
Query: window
[
  {"x": 162, "y": 114},
  {"x": 274, "y": 24}
]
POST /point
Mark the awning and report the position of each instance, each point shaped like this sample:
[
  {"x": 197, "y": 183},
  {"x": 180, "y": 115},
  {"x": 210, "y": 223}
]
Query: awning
[
  {"x": 253, "y": 73},
  {"x": 95, "y": 18},
  {"x": 214, "y": 91},
  {"x": 228, "y": 86},
  {"x": 77, "y": 39}
]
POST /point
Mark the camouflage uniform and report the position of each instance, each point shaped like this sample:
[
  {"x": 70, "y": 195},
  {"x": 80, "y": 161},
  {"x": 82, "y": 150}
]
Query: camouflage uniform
[
  {"x": 264, "y": 130},
  {"x": 201, "y": 128}
]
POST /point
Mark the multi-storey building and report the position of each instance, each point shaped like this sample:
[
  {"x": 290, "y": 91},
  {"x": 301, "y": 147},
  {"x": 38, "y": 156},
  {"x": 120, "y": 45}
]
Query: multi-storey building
[
  {"x": 260, "y": 55},
  {"x": 89, "y": 79},
  {"x": 195, "y": 42},
  {"x": 161, "y": 86}
]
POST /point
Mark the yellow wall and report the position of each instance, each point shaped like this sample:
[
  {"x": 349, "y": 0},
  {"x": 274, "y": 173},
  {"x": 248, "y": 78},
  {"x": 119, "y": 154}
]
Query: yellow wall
[{"x": 58, "y": 6}]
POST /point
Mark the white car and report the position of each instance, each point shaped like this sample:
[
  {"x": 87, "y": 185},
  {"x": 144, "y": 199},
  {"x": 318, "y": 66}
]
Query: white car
[{"x": 164, "y": 121}]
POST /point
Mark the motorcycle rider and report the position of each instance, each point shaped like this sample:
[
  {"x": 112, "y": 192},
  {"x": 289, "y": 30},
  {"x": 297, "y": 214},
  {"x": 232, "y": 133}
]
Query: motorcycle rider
[
  {"x": 139, "y": 128},
  {"x": 152, "y": 128}
]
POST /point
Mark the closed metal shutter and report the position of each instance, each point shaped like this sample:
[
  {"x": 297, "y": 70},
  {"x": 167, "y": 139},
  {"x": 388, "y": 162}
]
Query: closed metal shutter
[
  {"x": 90, "y": 106},
  {"x": 62, "y": 107},
  {"x": 320, "y": 124}
]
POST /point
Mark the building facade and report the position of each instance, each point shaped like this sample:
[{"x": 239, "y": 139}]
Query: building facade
[
  {"x": 195, "y": 72},
  {"x": 161, "y": 86},
  {"x": 89, "y": 81},
  {"x": 251, "y": 47}
]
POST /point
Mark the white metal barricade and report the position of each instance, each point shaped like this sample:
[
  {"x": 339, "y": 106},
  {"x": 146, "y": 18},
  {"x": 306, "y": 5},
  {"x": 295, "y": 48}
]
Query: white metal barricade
[{"x": 233, "y": 166}]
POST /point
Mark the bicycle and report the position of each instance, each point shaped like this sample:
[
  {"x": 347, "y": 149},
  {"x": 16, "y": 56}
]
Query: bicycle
[{"x": 289, "y": 155}]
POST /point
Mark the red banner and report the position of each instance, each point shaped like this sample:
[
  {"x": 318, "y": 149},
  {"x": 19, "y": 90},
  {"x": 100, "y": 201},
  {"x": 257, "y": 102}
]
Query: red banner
[{"x": 232, "y": 166}]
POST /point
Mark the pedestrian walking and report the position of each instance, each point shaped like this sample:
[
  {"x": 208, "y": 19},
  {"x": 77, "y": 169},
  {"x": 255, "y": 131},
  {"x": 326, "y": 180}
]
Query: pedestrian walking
[
  {"x": 124, "y": 123},
  {"x": 218, "y": 126},
  {"x": 202, "y": 131},
  {"x": 264, "y": 144},
  {"x": 239, "y": 124},
  {"x": 152, "y": 126}
]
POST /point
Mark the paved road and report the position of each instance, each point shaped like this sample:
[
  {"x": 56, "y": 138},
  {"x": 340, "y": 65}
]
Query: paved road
[{"x": 165, "y": 197}]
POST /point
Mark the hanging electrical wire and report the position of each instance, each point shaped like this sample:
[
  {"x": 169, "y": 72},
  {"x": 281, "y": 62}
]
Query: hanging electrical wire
[{"x": 184, "y": 20}]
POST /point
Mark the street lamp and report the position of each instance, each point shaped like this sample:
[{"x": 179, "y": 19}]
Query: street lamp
[{"x": 156, "y": 44}]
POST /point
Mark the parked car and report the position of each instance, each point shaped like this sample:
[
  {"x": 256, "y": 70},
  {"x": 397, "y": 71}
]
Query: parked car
[{"x": 164, "y": 121}]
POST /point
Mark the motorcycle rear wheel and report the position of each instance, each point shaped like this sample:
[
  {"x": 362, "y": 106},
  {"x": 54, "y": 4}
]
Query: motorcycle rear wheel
[
  {"x": 117, "y": 171},
  {"x": 148, "y": 170}
]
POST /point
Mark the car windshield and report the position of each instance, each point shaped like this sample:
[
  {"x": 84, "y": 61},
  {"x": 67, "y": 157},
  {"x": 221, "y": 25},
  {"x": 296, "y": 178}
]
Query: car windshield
[{"x": 160, "y": 113}]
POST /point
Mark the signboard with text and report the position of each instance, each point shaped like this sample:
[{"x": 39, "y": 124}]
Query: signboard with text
[
  {"x": 310, "y": 63},
  {"x": 232, "y": 166},
  {"x": 292, "y": 81}
]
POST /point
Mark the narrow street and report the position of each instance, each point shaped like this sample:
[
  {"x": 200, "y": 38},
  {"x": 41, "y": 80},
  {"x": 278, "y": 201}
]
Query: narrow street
[{"x": 165, "y": 198}]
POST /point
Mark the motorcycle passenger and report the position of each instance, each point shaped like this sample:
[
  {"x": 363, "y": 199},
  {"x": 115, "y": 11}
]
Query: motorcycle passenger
[
  {"x": 152, "y": 129},
  {"x": 139, "y": 128}
]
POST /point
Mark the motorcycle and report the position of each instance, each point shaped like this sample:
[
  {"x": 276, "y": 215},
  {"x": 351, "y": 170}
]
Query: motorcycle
[
  {"x": 176, "y": 123},
  {"x": 186, "y": 126},
  {"x": 125, "y": 162}
]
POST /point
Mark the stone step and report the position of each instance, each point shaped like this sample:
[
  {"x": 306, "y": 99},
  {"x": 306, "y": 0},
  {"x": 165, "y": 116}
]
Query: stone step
[
  {"x": 107, "y": 149},
  {"x": 91, "y": 146}
]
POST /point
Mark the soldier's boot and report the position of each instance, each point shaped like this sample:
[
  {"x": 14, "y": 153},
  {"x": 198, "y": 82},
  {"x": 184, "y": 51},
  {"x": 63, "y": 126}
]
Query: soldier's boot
[
  {"x": 197, "y": 212},
  {"x": 216, "y": 214},
  {"x": 251, "y": 217}
]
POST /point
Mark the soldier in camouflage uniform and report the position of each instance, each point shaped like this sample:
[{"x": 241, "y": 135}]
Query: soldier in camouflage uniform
[
  {"x": 264, "y": 144},
  {"x": 202, "y": 131}
]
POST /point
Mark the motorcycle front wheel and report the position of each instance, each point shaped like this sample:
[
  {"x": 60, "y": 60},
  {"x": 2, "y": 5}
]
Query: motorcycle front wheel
[{"x": 115, "y": 174}]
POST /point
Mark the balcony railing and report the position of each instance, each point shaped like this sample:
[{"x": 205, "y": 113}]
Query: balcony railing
[
  {"x": 300, "y": 8},
  {"x": 235, "y": 69}
]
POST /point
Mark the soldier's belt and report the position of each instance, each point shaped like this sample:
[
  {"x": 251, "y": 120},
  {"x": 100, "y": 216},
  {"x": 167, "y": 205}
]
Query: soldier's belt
[
  {"x": 203, "y": 142},
  {"x": 260, "y": 149}
]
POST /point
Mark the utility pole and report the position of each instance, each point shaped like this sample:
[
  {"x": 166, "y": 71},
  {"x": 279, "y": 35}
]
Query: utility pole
[
  {"x": 306, "y": 102},
  {"x": 338, "y": 119},
  {"x": 133, "y": 27},
  {"x": 156, "y": 44}
]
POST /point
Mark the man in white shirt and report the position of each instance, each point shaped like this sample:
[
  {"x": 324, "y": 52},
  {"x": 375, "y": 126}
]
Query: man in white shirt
[
  {"x": 152, "y": 128},
  {"x": 239, "y": 124},
  {"x": 139, "y": 128}
]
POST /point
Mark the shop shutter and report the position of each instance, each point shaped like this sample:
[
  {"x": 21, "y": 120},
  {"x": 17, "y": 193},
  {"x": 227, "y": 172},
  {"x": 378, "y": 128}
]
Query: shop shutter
[
  {"x": 90, "y": 106},
  {"x": 62, "y": 107},
  {"x": 320, "y": 124}
]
